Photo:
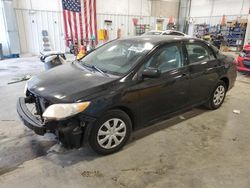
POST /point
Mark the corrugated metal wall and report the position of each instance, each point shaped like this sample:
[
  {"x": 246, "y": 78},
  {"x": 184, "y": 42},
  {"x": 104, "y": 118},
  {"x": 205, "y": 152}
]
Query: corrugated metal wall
[
  {"x": 3, "y": 34},
  {"x": 124, "y": 22},
  {"x": 9, "y": 37},
  {"x": 31, "y": 24}
]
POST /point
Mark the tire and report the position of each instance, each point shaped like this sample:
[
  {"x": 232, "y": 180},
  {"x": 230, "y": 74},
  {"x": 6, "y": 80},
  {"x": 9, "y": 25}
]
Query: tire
[
  {"x": 219, "y": 93},
  {"x": 105, "y": 138}
]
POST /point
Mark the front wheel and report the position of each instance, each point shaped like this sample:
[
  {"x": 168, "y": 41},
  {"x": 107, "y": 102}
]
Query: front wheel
[
  {"x": 111, "y": 132},
  {"x": 217, "y": 97}
]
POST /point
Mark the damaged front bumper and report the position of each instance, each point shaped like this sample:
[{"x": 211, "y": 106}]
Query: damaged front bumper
[
  {"x": 73, "y": 132},
  {"x": 28, "y": 118}
]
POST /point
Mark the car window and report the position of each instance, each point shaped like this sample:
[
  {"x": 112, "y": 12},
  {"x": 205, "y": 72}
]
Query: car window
[
  {"x": 153, "y": 33},
  {"x": 176, "y": 33},
  {"x": 168, "y": 58},
  {"x": 165, "y": 33},
  {"x": 198, "y": 53}
]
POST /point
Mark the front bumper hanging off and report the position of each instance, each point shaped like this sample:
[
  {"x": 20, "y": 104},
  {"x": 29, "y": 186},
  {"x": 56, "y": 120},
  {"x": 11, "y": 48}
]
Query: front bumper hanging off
[
  {"x": 29, "y": 119},
  {"x": 73, "y": 133}
]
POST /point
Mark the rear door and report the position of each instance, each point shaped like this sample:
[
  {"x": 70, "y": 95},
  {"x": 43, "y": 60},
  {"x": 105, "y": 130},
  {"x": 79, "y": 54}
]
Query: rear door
[{"x": 203, "y": 67}]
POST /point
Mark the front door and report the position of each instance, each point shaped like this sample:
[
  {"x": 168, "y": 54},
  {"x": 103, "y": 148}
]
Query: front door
[{"x": 168, "y": 93}]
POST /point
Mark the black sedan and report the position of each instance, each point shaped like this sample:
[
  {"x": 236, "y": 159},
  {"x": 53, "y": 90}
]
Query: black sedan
[{"x": 123, "y": 86}]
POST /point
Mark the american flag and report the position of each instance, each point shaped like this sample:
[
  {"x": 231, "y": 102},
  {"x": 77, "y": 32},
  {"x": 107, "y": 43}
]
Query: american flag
[{"x": 79, "y": 17}]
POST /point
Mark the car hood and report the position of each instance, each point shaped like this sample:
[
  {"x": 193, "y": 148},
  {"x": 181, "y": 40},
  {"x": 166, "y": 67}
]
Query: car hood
[{"x": 68, "y": 83}]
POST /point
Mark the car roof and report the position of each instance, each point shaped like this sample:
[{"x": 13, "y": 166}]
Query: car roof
[
  {"x": 157, "y": 39},
  {"x": 165, "y": 31},
  {"x": 155, "y": 31},
  {"x": 169, "y": 31}
]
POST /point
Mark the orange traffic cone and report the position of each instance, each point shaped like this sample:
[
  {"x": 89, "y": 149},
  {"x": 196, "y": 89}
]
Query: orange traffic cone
[{"x": 81, "y": 53}]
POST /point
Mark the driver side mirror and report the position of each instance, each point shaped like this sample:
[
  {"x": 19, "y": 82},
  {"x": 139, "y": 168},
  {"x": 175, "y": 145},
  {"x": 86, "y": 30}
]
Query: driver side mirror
[{"x": 151, "y": 72}]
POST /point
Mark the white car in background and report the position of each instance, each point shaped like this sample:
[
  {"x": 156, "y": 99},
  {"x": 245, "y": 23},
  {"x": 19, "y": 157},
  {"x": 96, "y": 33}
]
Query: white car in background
[{"x": 166, "y": 32}]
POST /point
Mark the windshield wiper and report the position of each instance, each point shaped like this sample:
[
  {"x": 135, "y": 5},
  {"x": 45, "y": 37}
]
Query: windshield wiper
[
  {"x": 96, "y": 68},
  {"x": 99, "y": 70}
]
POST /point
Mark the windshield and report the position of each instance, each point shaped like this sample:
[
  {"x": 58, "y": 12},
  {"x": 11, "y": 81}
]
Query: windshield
[{"x": 117, "y": 57}]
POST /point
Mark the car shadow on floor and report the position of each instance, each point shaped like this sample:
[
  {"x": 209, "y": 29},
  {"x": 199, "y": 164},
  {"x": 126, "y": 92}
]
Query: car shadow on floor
[
  {"x": 65, "y": 157},
  {"x": 174, "y": 120}
]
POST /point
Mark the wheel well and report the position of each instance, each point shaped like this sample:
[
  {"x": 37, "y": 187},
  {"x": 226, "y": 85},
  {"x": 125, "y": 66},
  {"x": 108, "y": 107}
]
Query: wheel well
[
  {"x": 128, "y": 112},
  {"x": 226, "y": 81}
]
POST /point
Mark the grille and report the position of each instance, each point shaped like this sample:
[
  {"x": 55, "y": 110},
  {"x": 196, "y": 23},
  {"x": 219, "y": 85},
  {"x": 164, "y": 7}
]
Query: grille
[
  {"x": 43, "y": 103},
  {"x": 246, "y": 63},
  {"x": 40, "y": 105}
]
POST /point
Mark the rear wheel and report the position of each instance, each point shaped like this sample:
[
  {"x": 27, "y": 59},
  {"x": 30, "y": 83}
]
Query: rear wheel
[
  {"x": 111, "y": 132},
  {"x": 217, "y": 97}
]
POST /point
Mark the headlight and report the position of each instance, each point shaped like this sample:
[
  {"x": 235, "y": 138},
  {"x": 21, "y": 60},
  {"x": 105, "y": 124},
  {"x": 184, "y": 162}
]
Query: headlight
[{"x": 61, "y": 111}]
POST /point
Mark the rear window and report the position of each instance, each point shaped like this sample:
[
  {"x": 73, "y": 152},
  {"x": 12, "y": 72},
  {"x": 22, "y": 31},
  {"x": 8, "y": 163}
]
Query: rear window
[
  {"x": 198, "y": 52},
  {"x": 153, "y": 33},
  {"x": 176, "y": 33}
]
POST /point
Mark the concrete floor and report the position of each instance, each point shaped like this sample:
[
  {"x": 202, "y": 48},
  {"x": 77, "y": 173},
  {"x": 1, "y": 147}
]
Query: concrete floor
[{"x": 200, "y": 148}]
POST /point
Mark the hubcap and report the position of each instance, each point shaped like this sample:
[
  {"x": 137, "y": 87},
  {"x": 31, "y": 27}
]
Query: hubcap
[
  {"x": 219, "y": 95},
  {"x": 111, "y": 133}
]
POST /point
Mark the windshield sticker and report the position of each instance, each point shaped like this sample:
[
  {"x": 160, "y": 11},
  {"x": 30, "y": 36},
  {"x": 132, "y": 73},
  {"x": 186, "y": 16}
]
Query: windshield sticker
[{"x": 136, "y": 49}]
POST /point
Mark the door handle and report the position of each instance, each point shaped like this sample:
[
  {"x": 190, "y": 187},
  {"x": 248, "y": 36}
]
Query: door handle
[
  {"x": 185, "y": 75},
  {"x": 208, "y": 70}
]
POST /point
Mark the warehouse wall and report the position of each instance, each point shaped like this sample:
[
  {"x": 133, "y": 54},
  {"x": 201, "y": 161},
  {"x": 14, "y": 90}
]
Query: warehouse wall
[
  {"x": 211, "y": 11},
  {"x": 121, "y": 15},
  {"x": 31, "y": 24},
  {"x": 9, "y": 30},
  {"x": 134, "y": 7},
  {"x": 124, "y": 7},
  {"x": 49, "y": 5},
  {"x": 3, "y": 34},
  {"x": 165, "y": 8},
  {"x": 205, "y": 8},
  {"x": 33, "y": 16}
]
